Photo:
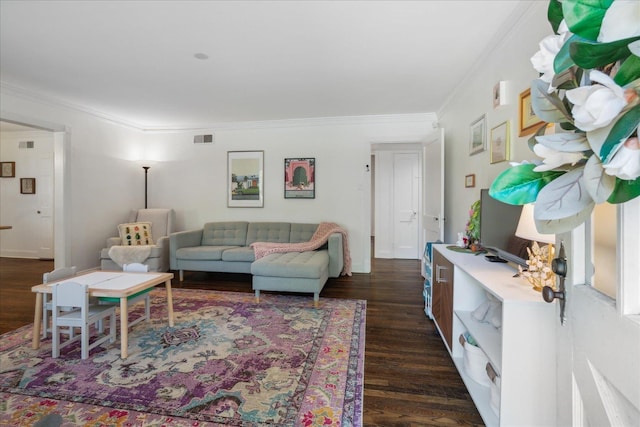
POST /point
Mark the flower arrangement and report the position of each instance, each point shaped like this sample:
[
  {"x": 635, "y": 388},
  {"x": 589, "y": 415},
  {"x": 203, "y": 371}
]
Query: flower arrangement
[
  {"x": 589, "y": 85},
  {"x": 539, "y": 273},
  {"x": 472, "y": 230}
]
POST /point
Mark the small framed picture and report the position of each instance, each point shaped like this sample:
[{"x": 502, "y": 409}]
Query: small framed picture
[
  {"x": 27, "y": 186},
  {"x": 470, "y": 180},
  {"x": 500, "y": 143},
  {"x": 478, "y": 135},
  {"x": 7, "y": 169},
  {"x": 300, "y": 178},
  {"x": 528, "y": 121},
  {"x": 245, "y": 170}
]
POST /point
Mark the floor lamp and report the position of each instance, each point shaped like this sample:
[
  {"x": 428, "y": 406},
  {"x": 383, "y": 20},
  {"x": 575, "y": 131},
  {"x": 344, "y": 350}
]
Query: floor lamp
[{"x": 146, "y": 171}]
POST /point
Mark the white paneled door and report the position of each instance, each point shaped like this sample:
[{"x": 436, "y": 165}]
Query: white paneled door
[
  {"x": 598, "y": 345},
  {"x": 406, "y": 201}
]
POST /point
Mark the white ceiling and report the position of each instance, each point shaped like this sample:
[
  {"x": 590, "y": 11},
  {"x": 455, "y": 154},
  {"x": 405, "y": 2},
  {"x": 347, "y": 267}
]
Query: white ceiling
[{"x": 133, "y": 61}]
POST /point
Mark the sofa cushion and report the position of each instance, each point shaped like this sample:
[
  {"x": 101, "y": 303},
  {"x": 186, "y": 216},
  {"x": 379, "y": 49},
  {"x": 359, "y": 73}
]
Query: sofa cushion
[
  {"x": 302, "y": 232},
  {"x": 135, "y": 233},
  {"x": 276, "y": 232},
  {"x": 244, "y": 253},
  {"x": 202, "y": 253},
  {"x": 312, "y": 264},
  {"x": 232, "y": 233}
]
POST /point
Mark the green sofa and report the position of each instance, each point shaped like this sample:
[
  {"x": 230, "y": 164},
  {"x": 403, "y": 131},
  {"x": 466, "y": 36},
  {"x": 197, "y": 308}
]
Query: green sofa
[{"x": 225, "y": 247}]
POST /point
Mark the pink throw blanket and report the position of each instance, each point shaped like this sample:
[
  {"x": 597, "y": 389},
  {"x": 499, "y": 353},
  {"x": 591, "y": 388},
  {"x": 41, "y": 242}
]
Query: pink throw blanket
[{"x": 319, "y": 238}]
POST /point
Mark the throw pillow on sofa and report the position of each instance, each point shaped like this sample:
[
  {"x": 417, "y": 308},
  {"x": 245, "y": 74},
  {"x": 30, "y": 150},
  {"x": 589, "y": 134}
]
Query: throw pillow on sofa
[{"x": 136, "y": 234}]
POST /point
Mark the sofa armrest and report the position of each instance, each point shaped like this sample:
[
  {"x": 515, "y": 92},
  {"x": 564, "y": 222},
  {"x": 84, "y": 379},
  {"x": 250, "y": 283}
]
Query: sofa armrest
[
  {"x": 336, "y": 255},
  {"x": 182, "y": 239},
  {"x": 113, "y": 241}
]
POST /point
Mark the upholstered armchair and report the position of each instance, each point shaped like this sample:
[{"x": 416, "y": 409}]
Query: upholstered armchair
[{"x": 144, "y": 239}]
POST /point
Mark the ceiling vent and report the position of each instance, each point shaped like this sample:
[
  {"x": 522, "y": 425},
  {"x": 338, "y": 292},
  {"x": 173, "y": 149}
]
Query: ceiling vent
[
  {"x": 203, "y": 139},
  {"x": 26, "y": 145}
]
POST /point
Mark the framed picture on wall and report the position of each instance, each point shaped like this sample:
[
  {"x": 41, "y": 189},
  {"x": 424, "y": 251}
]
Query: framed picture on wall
[
  {"x": 7, "y": 169},
  {"x": 300, "y": 178},
  {"x": 478, "y": 136},
  {"x": 245, "y": 170},
  {"x": 27, "y": 186},
  {"x": 500, "y": 143},
  {"x": 528, "y": 121}
]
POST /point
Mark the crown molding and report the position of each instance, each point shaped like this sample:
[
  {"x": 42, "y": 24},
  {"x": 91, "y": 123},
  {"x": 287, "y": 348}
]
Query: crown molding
[
  {"x": 21, "y": 92},
  {"x": 30, "y": 95},
  {"x": 24, "y": 93},
  {"x": 524, "y": 10}
]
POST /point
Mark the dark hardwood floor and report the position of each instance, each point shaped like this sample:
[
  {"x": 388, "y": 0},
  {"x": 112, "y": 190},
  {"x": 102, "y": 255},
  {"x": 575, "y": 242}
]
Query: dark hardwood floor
[{"x": 410, "y": 379}]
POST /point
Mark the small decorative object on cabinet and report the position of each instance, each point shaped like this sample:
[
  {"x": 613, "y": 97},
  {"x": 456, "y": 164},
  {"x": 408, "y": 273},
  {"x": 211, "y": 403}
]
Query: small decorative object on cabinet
[{"x": 510, "y": 324}]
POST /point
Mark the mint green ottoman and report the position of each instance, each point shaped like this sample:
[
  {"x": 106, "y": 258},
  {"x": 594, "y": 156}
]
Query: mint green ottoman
[{"x": 305, "y": 272}]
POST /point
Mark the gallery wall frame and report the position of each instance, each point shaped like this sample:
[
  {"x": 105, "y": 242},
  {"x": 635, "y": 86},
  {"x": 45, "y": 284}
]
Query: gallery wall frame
[
  {"x": 478, "y": 135},
  {"x": 528, "y": 122},
  {"x": 27, "y": 186},
  {"x": 245, "y": 176},
  {"x": 7, "y": 169},
  {"x": 500, "y": 142},
  {"x": 470, "y": 180},
  {"x": 300, "y": 178}
]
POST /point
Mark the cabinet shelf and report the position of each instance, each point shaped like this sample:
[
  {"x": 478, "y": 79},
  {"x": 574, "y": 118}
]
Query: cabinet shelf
[
  {"x": 484, "y": 333},
  {"x": 519, "y": 351}
]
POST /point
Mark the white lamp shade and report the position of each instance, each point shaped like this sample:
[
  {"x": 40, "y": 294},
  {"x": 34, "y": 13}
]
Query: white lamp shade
[{"x": 527, "y": 227}]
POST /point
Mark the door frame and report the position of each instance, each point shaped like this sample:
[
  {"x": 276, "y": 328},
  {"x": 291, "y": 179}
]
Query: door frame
[
  {"x": 61, "y": 181},
  {"x": 383, "y": 247}
]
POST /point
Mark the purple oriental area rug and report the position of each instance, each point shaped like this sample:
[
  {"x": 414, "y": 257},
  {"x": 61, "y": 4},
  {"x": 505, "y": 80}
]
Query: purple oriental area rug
[{"x": 228, "y": 361}]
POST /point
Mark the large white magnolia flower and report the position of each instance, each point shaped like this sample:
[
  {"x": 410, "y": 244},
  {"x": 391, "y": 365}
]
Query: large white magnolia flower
[
  {"x": 542, "y": 61},
  {"x": 621, "y": 21},
  {"x": 625, "y": 164},
  {"x": 597, "y": 105},
  {"x": 554, "y": 158}
]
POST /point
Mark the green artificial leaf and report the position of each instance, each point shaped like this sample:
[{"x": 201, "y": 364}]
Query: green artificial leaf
[
  {"x": 548, "y": 106},
  {"x": 625, "y": 190},
  {"x": 520, "y": 184},
  {"x": 590, "y": 54},
  {"x": 554, "y": 14},
  {"x": 629, "y": 71},
  {"x": 599, "y": 185},
  {"x": 564, "y": 202},
  {"x": 620, "y": 131},
  {"x": 532, "y": 140},
  {"x": 563, "y": 225},
  {"x": 563, "y": 60},
  {"x": 584, "y": 17},
  {"x": 568, "y": 142}
]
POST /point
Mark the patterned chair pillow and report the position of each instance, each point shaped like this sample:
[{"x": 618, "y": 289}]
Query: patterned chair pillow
[{"x": 136, "y": 234}]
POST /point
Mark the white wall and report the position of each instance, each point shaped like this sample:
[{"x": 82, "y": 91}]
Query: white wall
[
  {"x": 192, "y": 178},
  {"x": 509, "y": 60},
  {"x": 105, "y": 181}
]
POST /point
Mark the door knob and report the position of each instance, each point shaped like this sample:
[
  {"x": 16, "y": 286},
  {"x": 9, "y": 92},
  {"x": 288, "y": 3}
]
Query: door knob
[
  {"x": 559, "y": 267},
  {"x": 548, "y": 294}
]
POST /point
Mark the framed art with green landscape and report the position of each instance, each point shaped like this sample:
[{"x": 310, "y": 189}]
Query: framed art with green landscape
[{"x": 245, "y": 174}]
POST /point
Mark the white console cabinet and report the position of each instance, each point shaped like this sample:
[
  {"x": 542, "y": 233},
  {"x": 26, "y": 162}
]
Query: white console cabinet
[{"x": 521, "y": 352}]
